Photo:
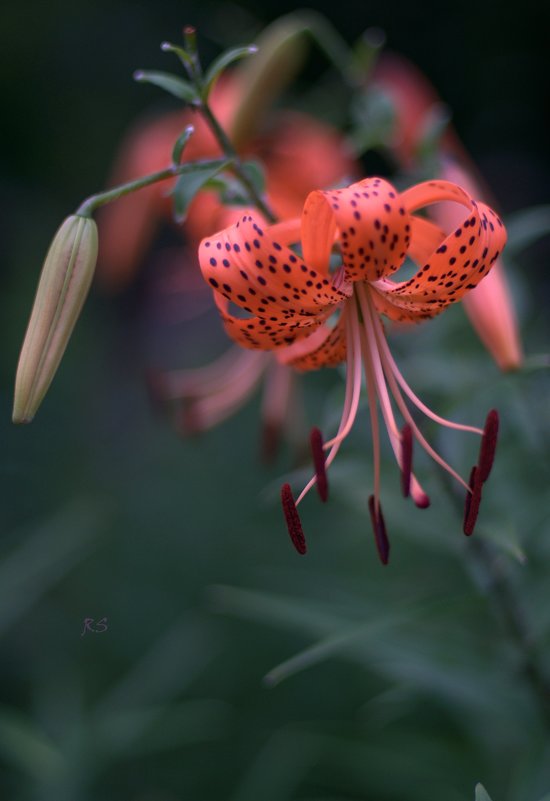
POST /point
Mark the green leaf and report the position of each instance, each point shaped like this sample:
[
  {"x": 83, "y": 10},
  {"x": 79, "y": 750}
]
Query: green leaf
[
  {"x": 481, "y": 793},
  {"x": 435, "y": 124},
  {"x": 525, "y": 227},
  {"x": 170, "y": 83},
  {"x": 181, "y": 142},
  {"x": 28, "y": 748},
  {"x": 187, "y": 187},
  {"x": 222, "y": 62},
  {"x": 366, "y": 51},
  {"x": 373, "y": 116},
  {"x": 183, "y": 55},
  {"x": 230, "y": 188}
]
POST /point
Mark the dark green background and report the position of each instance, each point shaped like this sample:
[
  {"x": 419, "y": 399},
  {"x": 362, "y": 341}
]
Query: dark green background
[{"x": 418, "y": 691}]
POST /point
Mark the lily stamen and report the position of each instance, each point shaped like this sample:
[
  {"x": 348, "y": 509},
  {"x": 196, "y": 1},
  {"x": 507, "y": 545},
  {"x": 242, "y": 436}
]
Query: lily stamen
[
  {"x": 488, "y": 446},
  {"x": 316, "y": 440},
  {"x": 291, "y": 301},
  {"x": 406, "y": 459}
]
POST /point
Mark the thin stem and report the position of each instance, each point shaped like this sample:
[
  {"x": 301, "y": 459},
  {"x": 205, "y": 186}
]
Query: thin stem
[
  {"x": 88, "y": 206},
  {"x": 509, "y": 609},
  {"x": 513, "y": 618},
  {"x": 235, "y": 160}
]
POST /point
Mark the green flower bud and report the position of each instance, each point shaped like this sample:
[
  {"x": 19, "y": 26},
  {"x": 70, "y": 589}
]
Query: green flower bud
[{"x": 64, "y": 283}]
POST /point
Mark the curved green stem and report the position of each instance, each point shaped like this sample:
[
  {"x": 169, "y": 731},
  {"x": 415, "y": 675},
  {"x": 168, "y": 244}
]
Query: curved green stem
[
  {"x": 237, "y": 165},
  {"x": 89, "y": 206}
]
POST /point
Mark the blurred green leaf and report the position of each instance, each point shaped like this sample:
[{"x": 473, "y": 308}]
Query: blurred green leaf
[
  {"x": 277, "y": 770},
  {"x": 22, "y": 745},
  {"x": 366, "y": 51},
  {"x": 44, "y": 557},
  {"x": 150, "y": 729},
  {"x": 188, "y": 185},
  {"x": 481, "y": 793},
  {"x": 373, "y": 120},
  {"x": 223, "y": 61},
  {"x": 172, "y": 84},
  {"x": 169, "y": 664},
  {"x": 525, "y": 227},
  {"x": 230, "y": 188},
  {"x": 434, "y": 127}
]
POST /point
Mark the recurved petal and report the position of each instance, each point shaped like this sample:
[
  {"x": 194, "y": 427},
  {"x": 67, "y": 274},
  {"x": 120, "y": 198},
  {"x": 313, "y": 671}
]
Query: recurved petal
[
  {"x": 373, "y": 229},
  {"x": 246, "y": 265},
  {"x": 459, "y": 263},
  {"x": 490, "y": 306},
  {"x": 265, "y": 332},
  {"x": 325, "y": 347}
]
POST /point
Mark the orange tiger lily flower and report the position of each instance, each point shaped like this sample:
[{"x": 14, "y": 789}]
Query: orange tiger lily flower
[
  {"x": 289, "y": 296},
  {"x": 490, "y": 307}
]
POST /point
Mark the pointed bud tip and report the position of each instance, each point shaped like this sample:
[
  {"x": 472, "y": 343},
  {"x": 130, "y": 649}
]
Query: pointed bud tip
[
  {"x": 62, "y": 289},
  {"x": 138, "y": 75},
  {"x": 21, "y": 419}
]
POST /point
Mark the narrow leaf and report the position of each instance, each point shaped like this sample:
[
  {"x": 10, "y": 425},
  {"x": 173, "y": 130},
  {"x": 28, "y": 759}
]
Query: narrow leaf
[
  {"x": 223, "y": 61},
  {"x": 170, "y": 83},
  {"x": 525, "y": 227},
  {"x": 181, "y": 142},
  {"x": 183, "y": 55},
  {"x": 187, "y": 187}
]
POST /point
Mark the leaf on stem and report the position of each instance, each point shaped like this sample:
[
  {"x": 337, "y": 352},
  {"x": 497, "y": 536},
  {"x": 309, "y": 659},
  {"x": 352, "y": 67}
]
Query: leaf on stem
[
  {"x": 187, "y": 187},
  {"x": 222, "y": 62},
  {"x": 172, "y": 84},
  {"x": 183, "y": 55},
  {"x": 181, "y": 141}
]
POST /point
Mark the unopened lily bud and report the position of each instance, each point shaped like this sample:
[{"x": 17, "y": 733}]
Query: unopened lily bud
[{"x": 64, "y": 283}]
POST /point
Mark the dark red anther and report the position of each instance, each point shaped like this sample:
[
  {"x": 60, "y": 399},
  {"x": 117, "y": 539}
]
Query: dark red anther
[
  {"x": 292, "y": 518},
  {"x": 379, "y": 528},
  {"x": 488, "y": 446},
  {"x": 406, "y": 459},
  {"x": 318, "y": 454},
  {"x": 473, "y": 500}
]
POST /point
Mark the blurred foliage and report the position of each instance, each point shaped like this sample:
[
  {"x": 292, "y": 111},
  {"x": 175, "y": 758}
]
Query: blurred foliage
[{"x": 230, "y": 668}]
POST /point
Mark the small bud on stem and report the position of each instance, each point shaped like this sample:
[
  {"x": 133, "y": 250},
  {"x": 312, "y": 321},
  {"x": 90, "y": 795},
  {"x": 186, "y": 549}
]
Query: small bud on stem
[{"x": 64, "y": 283}]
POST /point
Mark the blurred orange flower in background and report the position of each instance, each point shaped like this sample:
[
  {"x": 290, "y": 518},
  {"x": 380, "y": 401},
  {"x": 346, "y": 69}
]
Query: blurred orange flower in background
[{"x": 490, "y": 306}]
